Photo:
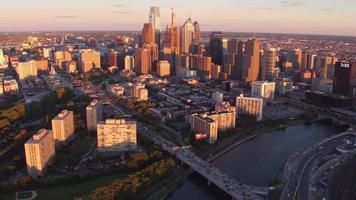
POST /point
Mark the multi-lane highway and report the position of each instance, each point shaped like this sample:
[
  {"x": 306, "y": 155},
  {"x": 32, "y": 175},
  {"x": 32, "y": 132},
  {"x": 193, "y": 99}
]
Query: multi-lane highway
[{"x": 299, "y": 167}]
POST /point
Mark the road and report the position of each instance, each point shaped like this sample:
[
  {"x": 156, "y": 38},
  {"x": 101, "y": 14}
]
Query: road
[{"x": 299, "y": 167}]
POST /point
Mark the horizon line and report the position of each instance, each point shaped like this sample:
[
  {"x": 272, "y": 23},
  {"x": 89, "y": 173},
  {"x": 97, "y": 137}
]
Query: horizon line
[{"x": 257, "y": 32}]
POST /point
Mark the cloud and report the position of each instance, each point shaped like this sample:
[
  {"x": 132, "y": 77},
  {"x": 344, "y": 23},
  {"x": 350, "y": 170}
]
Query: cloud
[
  {"x": 292, "y": 3},
  {"x": 327, "y": 9},
  {"x": 118, "y": 5},
  {"x": 261, "y": 8},
  {"x": 65, "y": 16},
  {"x": 123, "y": 12}
]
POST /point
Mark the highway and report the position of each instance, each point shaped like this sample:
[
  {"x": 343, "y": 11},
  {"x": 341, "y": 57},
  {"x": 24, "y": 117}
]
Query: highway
[{"x": 299, "y": 167}]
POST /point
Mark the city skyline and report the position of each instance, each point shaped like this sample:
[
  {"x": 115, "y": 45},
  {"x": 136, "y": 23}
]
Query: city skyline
[{"x": 294, "y": 16}]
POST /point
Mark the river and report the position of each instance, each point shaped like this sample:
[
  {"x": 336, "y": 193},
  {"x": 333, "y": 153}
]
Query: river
[{"x": 258, "y": 161}]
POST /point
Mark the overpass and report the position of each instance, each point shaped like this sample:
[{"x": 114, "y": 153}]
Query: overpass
[
  {"x": 327, "y": 112},
  {"x": 234, "y": 188}
]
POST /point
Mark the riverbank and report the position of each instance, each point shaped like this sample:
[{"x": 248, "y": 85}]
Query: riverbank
[{"x": 235, "y": 140}]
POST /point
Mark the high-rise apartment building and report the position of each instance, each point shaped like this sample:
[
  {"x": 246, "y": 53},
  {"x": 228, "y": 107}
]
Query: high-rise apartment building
[
  {"x": 263, "y": 89},
  {"x": 143, "y": 62},
  {"x": 202, "y": 124},
  {"x": 88, "y": 60},
  {"x": 117, "y": 135},
  {"x": 39, "y": 150},
  {"x": 26, "y": 69},
  {"x": 345, "y": 79},
  {"x": 94, "y": 114},
  {"x": 63, "y": 126},
  {"x": 250, "y": 106},
  {"x": 163, "y": 68}
]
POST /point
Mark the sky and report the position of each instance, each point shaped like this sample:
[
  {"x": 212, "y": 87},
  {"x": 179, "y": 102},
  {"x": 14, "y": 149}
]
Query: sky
[{"x": 329, "y": 17}]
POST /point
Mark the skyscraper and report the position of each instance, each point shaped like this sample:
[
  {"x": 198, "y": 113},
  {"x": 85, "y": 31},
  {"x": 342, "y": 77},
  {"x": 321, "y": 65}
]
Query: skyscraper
[
  {"x": 345, "y": 79},
  {"x": 251, "y": 61},
  {"x": 216, "y": 48},
  {"x": 269, "y": 64},
  {"x": 171, "y": 39},
  {"x": 196, "y": 32},
  {"x": 155, "y": 20},
  {"x": 148, "y": 34},
  {"x": 186, "y": 36}
]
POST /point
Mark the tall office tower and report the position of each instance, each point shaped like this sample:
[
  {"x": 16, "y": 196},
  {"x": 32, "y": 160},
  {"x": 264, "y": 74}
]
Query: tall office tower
[
  {"x": 325, "y": 63},
  {"x": 117, "y": 135},
  {"x": 129, "y": 63},
  {"x": 186, "y": 36},
  {"x": 296, "y": 58},
  {"x": 304, "y": 62},
  {"x": 251, "y": 61},
  {"x": 148, "y": 35},
  {"x": 311, "y": 60},
  {"x": 113, "y": 58},
  {"x": 89, "y": 59},
  {"x": 232, "y": 46},
  {"x": 3, "y": 63},
  {"x": 63, "y": 126},
  {"x": 94, "y": 113},
  {"x": 215, "y": 71},
  {"x": 39, "y": 150},
  {"x": 143, "y": 63},
  {"x": 216, "y": 48},
  {"x": 155, "y": 20},
  {"x": 171, "y": 39},
  {"x": 153, "y": 49},
  {"x": 251, "y": 106},
  {"x": 345, "y": 79},
  {"x": 239, "y": 61},
  {"x": 26, "y": 69},
  {"x": 204, "y": 125},
  {"x": 263, "y": 89},
  {"x": 269, "y": 62},
  {"x": 196, "y": 32},
  {"x": 163, "y": 68}
]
